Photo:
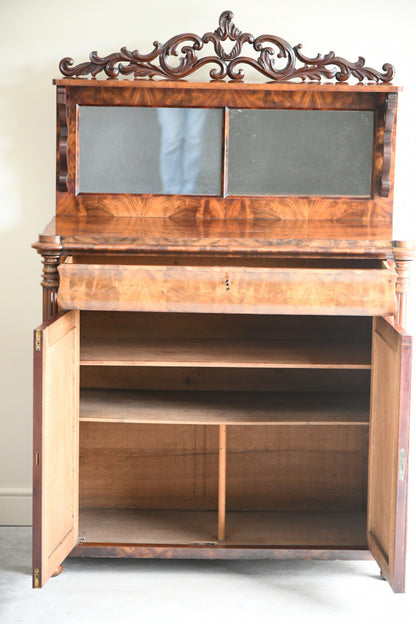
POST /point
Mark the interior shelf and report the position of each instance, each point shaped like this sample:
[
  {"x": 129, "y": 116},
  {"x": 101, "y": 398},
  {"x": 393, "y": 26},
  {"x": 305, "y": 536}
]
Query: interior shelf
[
  {"x": 253, "y": 528},
  {"x": 230, "y": 353},
  {"x": 234, "y": 408}
]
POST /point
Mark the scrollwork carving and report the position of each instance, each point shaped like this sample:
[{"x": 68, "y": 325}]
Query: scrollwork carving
[{"x": 228, "y": 64}]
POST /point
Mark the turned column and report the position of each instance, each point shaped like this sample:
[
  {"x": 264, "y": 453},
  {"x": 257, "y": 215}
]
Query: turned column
[
  {"x": 51, "y": 256},
  {"x": 404, "y": 253}
]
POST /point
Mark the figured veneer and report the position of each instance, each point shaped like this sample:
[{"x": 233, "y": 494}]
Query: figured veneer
[
  {"x": 212, "y": 551},
  {"x": 216, "y": 237},
  {"x": 216, "y": 289},
  {"x": 377, "y": 207},
  {"x": 241, "y": 395}
]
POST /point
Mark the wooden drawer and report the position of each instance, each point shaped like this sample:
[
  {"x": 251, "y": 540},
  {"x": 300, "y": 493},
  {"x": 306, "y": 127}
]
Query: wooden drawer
[{"x": 356, "y": 287}]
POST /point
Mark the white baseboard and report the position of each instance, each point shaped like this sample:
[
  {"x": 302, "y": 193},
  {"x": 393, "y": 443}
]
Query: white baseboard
[{"x": 15, "y": 506}]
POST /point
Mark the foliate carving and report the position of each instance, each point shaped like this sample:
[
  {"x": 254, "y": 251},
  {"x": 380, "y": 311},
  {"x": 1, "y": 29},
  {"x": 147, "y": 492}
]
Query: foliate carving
[
  {"x": 276, "y": 60},
  {"x": 62, "y": 165},
  {"x": 389, "y": 114}
]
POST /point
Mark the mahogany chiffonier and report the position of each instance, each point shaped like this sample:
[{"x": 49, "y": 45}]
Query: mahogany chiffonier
[{"x": 222, "y": 369}]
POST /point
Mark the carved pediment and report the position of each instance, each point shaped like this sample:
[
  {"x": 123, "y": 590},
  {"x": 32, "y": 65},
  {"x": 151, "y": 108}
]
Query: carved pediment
[{"x": 276, "y": 59}]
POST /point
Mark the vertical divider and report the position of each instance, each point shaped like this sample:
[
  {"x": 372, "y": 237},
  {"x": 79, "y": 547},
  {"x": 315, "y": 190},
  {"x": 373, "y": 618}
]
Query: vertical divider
[
  {"x": 222, "y": 469},
  {"x": 226, "y": 134}
]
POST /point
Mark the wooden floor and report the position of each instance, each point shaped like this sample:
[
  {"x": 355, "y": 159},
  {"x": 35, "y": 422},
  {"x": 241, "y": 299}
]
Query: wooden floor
[{"x": 284, "y": 529}]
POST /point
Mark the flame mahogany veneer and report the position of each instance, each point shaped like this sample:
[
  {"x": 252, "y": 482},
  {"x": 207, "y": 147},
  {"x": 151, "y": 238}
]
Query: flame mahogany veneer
[{"x": 230, "y": 388}]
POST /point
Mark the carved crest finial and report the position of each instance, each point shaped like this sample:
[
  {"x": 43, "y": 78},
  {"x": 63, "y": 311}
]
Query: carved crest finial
[{"x": 272, "y": 50}]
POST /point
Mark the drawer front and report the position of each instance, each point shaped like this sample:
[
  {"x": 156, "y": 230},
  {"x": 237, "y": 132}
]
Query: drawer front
[{"x": 340, "y": 291}]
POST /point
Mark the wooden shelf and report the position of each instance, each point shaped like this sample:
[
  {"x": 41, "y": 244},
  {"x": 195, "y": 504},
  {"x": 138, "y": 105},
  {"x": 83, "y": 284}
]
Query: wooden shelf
[
  {"x": 280, "y": 529},
  {"x": 247, "y": 237},
  {"x": 225, "y": 353},
  {"x": 233, "y": 408}
]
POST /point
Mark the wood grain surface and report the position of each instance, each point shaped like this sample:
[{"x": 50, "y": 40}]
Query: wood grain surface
[
  {"x": 217, "y": 237},
  {"x": 269, "y": 467},
  {"x": 233, "y": 408},
  {"x": 389, "y": 439},
  {"x": 238, "y": 290},
  {"x": 247, "y": 353},
  {"x": 56, "y": 426},
  {"x": 323, "y": 529},
  {"x": 267, "y": 96}
]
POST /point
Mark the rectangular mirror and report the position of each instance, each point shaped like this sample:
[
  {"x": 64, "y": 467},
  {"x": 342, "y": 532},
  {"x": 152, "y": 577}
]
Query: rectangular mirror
[
  {"x": 150, "y": 150},
  {"x": 178, "y": 151},
  {"x": 300, "y": 152}
]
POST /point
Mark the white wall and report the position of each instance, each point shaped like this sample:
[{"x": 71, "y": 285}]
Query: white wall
[{"x": 34, "y": 36}]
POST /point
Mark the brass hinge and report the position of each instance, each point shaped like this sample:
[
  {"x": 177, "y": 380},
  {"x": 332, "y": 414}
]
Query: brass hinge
[
  {"x": 37, "y": 340},
  {"x": 36, "y": 577},
  {"x": 402, "y": 464}
]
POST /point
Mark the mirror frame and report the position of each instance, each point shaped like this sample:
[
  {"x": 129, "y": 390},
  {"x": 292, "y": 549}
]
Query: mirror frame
[{"x": 381, "y": 99}]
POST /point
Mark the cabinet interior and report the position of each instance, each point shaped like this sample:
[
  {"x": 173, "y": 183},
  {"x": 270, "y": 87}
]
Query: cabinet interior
[{"x": 290, "y": 396}]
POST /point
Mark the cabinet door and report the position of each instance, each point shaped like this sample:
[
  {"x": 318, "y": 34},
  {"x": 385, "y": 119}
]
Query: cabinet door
[
  {"x": 389, "y": 437},
  {"x": 55, "y": 444}
]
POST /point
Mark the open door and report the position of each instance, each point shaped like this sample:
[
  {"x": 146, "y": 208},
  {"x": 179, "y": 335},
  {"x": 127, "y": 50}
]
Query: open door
[
  {"x": 55, "y": 444},
  {"x": 388, "y": 453}
]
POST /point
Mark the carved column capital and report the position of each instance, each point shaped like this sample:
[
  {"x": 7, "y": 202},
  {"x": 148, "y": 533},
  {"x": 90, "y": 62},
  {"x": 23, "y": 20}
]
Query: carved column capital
[{"x": 404, "y": 253}]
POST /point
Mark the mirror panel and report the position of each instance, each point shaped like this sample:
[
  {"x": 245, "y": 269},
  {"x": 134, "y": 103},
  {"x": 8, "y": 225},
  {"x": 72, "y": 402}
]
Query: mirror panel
[
  {"x": 150, "y": 150},
  {"x": 300, "y": 152},
  {"x": 179, "y": 151}
]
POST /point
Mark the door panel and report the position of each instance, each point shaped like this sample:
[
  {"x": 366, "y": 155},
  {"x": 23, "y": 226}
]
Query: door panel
[
  {"x": 55, "y": 468},
  {"x": 389, "y": 436}
]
